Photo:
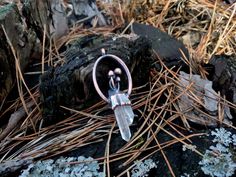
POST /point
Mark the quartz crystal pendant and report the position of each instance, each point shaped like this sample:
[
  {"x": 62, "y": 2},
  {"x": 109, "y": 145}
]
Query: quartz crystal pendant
[
  {"x": 118, "y": 100},
  {"x": 124, "y": 114}
]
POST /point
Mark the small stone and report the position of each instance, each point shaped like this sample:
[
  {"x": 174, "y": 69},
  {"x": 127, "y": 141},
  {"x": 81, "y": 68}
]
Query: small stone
[{"x": 168, "y": 48}]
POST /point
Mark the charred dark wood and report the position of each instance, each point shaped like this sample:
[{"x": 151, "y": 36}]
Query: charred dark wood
[
  {"x": 169, "y": 49},
  {"x": 71, "y": 84},
  {"x": 10, "y": 167},
  {"x": 224, "y": 77}
]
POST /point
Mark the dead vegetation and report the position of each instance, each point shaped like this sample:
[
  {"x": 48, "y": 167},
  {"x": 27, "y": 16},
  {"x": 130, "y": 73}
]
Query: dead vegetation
[{"x": 206, "y": 28}]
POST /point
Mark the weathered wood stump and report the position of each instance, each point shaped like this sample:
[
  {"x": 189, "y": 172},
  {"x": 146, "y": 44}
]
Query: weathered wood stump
[{"x": 71, "y": 84}]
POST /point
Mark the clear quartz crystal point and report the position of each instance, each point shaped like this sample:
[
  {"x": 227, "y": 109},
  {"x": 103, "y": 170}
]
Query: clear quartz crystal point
[
  {"x": 120, "y": 114},
  {"x": 123, "y": 112}
]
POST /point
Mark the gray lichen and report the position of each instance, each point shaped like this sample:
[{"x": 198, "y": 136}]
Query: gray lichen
[
  {"x": 141, "y": 169},
  {"x": 218, "y": 160},
  {"x": 63, "y": 168},
  {"x": 234, "y": 140},
  {"x": 222, "y": 136},
  {"x": 220, "y": 164}
]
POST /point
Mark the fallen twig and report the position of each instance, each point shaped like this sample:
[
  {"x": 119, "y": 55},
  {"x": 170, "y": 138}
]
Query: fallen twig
[{"x": 14, "y": 119}]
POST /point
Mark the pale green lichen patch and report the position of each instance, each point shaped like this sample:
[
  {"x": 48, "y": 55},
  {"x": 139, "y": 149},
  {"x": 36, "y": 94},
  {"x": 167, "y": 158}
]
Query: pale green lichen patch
[
  {"x": 142, "y": 169},
  {"x": 64, "y": 167},
  {"x": 218, "y": 161}
]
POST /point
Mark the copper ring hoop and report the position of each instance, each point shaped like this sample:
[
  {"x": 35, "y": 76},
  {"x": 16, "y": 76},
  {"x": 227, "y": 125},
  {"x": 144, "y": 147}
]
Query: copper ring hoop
[{"x": 123, "y": 66}]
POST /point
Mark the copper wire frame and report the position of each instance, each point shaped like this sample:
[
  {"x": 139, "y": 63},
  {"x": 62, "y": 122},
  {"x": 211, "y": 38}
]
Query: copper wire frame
[{"x": 110, "y": 56}]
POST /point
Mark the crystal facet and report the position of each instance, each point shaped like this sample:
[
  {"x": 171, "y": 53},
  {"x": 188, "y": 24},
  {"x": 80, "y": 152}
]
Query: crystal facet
[
  {"x": 123, "y": 112},
  {"x": 130, "y": 114},
  {"x": 122, "y": 122}
]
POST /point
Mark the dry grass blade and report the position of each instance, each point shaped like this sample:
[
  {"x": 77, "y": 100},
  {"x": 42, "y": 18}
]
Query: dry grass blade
[
  {"x": 162, "y": 152},
  {"x": 210, "y": 26},
  {"x": 107, "y": 152},
  {"x": 43, "y": 50},
  {"x": 228, "y": 28},
  {"x": 210, "y": 22}
]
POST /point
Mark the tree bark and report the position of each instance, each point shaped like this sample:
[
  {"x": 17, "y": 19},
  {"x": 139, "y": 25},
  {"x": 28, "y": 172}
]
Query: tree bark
[
  {"x": 46, "y": 13},
  {"x": 23, "y": 41},
  {"x": 71, "y": 84},
  {"x": 25, "y": 25}
]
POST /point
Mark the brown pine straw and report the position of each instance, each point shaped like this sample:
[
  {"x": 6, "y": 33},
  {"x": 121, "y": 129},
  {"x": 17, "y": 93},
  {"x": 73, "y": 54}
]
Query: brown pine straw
[
  {"x": 158, "y": 106},
  {"x": 163, "y": 154},
  {"x": 19, "y": 75},
  {"x": 107, "y": 151},
  {"x": 43, "y": 51}
]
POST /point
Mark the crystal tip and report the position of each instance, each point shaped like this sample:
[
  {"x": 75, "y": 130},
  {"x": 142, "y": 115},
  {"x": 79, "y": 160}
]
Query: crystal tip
[{"x": 126, "y": 136}]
